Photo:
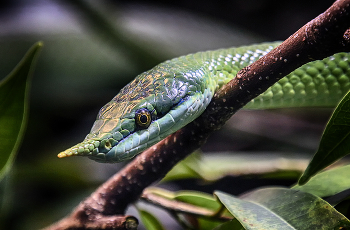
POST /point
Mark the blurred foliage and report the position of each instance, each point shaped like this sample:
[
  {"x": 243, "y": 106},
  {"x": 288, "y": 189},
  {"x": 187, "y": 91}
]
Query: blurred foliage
[
  {"x": 14, "y": 92},
  {"x": 82, "y": 67}
]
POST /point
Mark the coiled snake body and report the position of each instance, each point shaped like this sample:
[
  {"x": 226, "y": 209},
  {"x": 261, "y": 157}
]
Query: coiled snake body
[{"x": 172, "y": 94}]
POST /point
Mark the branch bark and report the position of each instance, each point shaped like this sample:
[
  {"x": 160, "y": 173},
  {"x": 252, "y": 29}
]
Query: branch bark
[{"x": 325, "y": 35}]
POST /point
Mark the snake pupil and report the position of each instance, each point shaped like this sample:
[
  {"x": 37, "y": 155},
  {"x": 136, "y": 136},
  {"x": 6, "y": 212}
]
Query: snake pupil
[{"x": 143, "y": 119}]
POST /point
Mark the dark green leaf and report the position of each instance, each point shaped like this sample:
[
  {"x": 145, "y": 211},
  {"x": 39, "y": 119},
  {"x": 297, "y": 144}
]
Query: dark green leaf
[
  {"x": 280, "y": 208},
  {"x": 335, "y": 141},
  {"x": 327, "y": 183},
  {"x": 150, "y": 221},
  {"x": 230, "y": 225},
  {"x": 14, "y": 107},
  {"x": 202, "y": 200}
]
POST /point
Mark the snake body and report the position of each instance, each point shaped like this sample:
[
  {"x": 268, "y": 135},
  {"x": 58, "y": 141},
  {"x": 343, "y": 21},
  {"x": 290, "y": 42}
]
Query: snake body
[{"x": 162, "y": 100}]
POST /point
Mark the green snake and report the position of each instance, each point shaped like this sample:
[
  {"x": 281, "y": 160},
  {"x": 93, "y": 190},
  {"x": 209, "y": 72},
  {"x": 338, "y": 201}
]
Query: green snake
[{"x": 162, "y": 100}]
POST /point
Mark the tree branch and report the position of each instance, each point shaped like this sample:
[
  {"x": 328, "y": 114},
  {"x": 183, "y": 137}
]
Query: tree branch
[
  {"x": 97, "y": 221},
  {"x": 323, "y": 36}
]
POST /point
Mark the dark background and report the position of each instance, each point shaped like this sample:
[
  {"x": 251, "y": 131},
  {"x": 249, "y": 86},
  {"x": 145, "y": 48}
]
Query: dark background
[{"x": 81, "y": 68}]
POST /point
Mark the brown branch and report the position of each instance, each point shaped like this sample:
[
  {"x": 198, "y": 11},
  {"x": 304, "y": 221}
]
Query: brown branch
[
  {"x": 325, "y": 35},
  {"x": 97, "y": 221}
]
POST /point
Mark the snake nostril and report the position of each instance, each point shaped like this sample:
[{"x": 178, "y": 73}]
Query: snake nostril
[
  {"x": 105, "y": 146},
  {"x": 108, "y": 145}
]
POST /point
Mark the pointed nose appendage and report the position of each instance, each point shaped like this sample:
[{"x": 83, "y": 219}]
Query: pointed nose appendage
[{"x": 86, "y": 148}]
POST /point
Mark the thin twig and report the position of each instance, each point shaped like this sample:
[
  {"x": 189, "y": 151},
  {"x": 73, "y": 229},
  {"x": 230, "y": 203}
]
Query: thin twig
[
  {"x": 178, "y": 206},
  {"x": 96, "y": 222}
]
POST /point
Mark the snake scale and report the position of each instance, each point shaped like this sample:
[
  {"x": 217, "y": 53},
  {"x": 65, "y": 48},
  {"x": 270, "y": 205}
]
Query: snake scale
[{"x": 162, "y": 100}]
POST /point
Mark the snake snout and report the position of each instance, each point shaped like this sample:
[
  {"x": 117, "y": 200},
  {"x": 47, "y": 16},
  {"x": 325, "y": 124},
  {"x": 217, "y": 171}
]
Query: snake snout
[{"x": 85, "y": 148}]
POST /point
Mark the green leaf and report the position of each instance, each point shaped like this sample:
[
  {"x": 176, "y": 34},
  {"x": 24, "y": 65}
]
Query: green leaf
[
  {"x": 187, "y": 168},
  {"x": 230, "y": 225},
  {"x": 203, "y": 200},
  {"x": 195, "y": 199},
  {"x": 327, "y": 183},
  {"x": 198, "y": 199},
  {"x": 280, "y": 208},
  {"x": 14, "y": 90},
  {"x": 205, "y": 166},
  {"x": 150, "y": 221},
  {"x": 335, "y": 141}
]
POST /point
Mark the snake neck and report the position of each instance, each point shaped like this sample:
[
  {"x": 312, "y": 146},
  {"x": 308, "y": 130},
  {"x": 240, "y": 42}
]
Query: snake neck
[{"x": 213, "y": 69}]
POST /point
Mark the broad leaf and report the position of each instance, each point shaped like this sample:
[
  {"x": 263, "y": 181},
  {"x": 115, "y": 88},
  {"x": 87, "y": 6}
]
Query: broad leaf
[
  {"x": 230, "y": 225},
  {"x": 280, "y": 208},
  {"x": 150, "y": 221},
  {"x": 13, "y": 108},
  {"x": 335, "y": 141},
  {"x": 201, "y": 200},
  {"x": 328, "y": 183}
]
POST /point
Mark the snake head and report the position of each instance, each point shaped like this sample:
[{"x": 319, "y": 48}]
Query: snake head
[
  {"x": 117, "y": 132},
  {"x": 154, "y": 105}
]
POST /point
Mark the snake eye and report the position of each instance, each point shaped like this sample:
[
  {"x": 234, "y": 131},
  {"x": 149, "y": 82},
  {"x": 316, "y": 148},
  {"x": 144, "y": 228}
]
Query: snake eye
[{"x": 143, "y": 118}]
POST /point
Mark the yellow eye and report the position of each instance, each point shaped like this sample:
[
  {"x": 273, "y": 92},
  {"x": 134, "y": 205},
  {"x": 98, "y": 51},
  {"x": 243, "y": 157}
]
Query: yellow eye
[{"x": 143, "y": 118}]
